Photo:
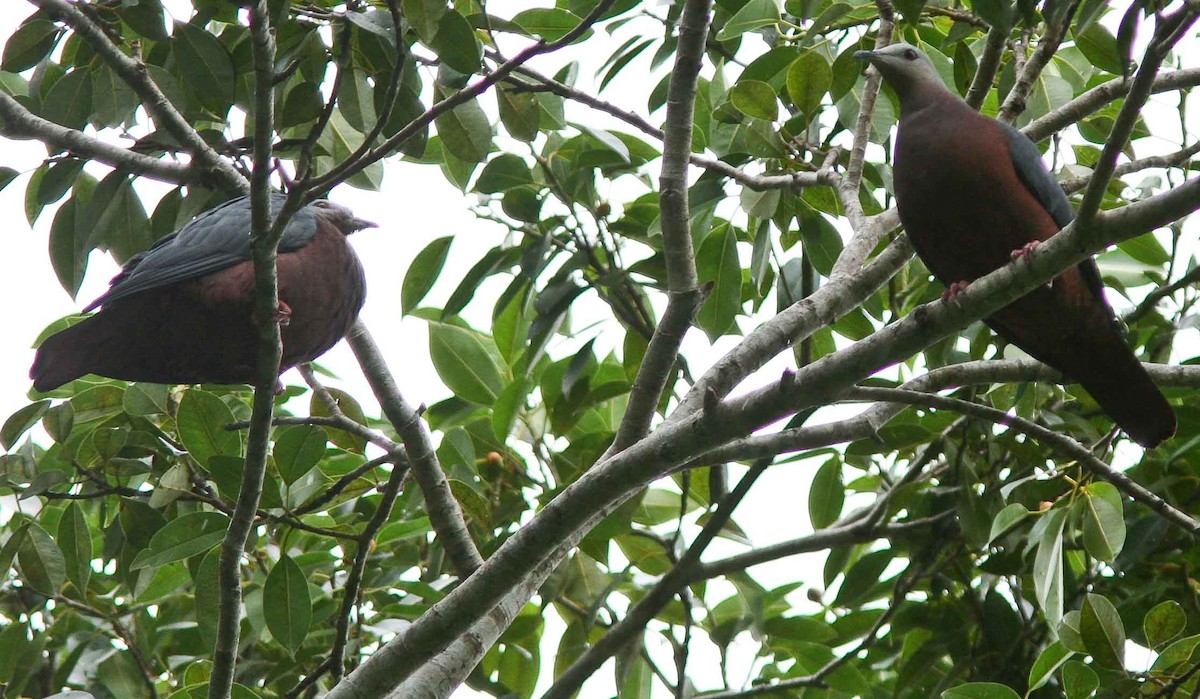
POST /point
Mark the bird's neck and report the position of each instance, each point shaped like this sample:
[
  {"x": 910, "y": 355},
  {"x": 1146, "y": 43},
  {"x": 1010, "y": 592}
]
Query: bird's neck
[{"x": 925, "y": 95}]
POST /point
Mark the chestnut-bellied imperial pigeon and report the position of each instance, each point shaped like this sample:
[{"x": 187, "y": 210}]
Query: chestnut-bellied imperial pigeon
[
  {"x": 972, "y": 193},
  {"x": 183, "y": 311}
]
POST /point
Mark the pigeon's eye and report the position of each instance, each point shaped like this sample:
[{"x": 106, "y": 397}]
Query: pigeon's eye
[{"x": 910, "y": 55}]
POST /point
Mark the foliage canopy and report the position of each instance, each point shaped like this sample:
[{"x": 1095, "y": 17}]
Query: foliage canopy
[{"x": 973, "y": 546}]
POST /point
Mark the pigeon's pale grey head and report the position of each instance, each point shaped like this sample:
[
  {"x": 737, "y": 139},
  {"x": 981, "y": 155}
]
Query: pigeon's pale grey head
[
  {"x": 905, "y": 67},
  {"x": 341, "y": 216}
]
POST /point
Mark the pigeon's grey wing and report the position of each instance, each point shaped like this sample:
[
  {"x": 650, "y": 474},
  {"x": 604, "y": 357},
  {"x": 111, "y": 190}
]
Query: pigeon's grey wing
[
  {"x": 1032, "y": 172},
  {"x": 213, "y": 241}
]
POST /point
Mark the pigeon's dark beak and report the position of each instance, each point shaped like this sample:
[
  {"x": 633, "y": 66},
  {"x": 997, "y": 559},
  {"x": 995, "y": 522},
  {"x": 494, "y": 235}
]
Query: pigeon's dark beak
[
  {"x": 866, "y": 55},
  {"x": 357, "y": 224}
]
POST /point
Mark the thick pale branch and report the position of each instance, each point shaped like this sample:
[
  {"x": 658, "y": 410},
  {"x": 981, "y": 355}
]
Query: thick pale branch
[
  {"x": 795, "y": 323},
  {"x": 1095, "y": 99},
  {"x": 19, "y": 123}
]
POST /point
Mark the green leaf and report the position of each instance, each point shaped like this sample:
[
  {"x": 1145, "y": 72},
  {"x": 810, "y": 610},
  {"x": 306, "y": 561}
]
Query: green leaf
[
  {"x": 864, "y": 575},
  {"x": 202, "y": 420},
  {"x": 1048, "y": 661},
  {"x": 822, "y": 242},
  {"x": 753, "y": 15},
  {"x": 207, "y": 596},
  {"x": 1079, "y": 681},
  {"x": 205, "y": 67},
  {"x": 473, "y": 504},
  {"x": 75, "y": 540},
  {"x": 503, "y": 173},
  {"x": 43, "y": 566},
  {"x": 466, "y": 132},
  {"x": 998, "y": 13},
  {"x": 298, "y": 449},
  {"x": 19, "y": 422},
  {"x": 980, "y": 690},
  {"x": 1164, "y": 622},
  {"x": 1100, "y": 48},
  {"x": 1006, "y": 518},
  {"x": 1048, "y": 568},
  {"x": 286, "y": 604},
  {"x": 756, "y": 99},
  {"x": 1145, "y": 249},
  {"x": 465, "y": 363},
  {"x": 423, "y": 16},
  {"x": 423, "y": 273},
  {"x": 1103, "y": 521},
  {"x": 1102, "y": 631},
  {"x": 181, "y": 538},
  {"x": 348, "y": 407},
  {"x": 69, "y": 102},
  {"x": 27, "y": 46},
  {"x": 717, "y": 262},
  {"x": 356, "y": 100},
  {"x": 66, "y": 254},
  {"x": 456, "y": 44},
  {"x": 1179, "y": 654},
  {"x": 550, "y": 24},
  {"x": 808, "y": 79},
  {"x": 826, "y": 494},
  {"x": 519, "y": 112}
]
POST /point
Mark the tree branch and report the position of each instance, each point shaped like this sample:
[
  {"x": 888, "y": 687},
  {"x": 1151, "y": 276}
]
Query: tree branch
[
  {"x": 264, "y": 244},
  {"x": 19, "y": 123},
  {"x": 160, "y": 109},
  {"x": 684, "y": 296},
  {"x": 444, "y": 513}
]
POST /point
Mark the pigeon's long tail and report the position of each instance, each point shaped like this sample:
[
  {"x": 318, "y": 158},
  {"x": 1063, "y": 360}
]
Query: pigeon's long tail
[
  {"x": 1116, "y": 379},
  {"x": 1084, "y": 342},
  {"x": 67, "y": 355}
]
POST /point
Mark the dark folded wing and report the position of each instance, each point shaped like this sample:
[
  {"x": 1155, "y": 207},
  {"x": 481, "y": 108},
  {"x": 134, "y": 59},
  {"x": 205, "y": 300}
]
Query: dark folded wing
[{"x": 211, "y": 242}]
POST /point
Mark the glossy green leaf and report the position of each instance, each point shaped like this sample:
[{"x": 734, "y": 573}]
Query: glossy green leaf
[
  {"x": 1048, "y": 661},
  {"x": 1103, "y": 520},
  {"x": 298, "y": 449},
  {"x": 1163, "y": 622},
  {"x": 755, "y": 14},
  {"x": 19, "y": 422},
  {"x": 980, "y": 690},
  {"x": 808, "y": 80},
  {"x": 43, "y": 565},
  {"x": 1078, "y": 680},
  {"x": 1102, "y": 631},
  {"x": 29, "y": 44},
  {"x": 826, "y": 494},
  {"x": 456, "y": 45},
  {"x": 286, "y": 603},
  {"x": 717, "y": 263},
  {"x": 75, "y": 541},
  {"x": 550, "y": 24},
  {"x": 182, "y": 538},
  {"x": 69, "y": 102},
  {"x": 755, "y": 99},
  {"x": 1048, "y": 566},
  {"x": 466, "y": 132},
  {"x": 423, "y": 273},
  {"x": 465, "y": 363},
  {"x": 204, "y": 67},
  {"x": 203, "y": 419}
]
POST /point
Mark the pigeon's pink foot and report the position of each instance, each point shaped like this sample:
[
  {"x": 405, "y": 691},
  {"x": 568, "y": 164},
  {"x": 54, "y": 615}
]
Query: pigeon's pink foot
[
  {"x": 1023, "y": 252},
  {"x": 952, "y": 291}
]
